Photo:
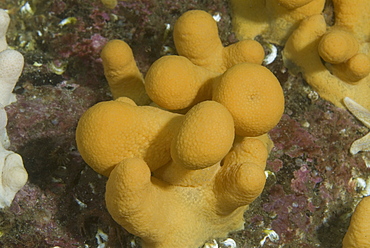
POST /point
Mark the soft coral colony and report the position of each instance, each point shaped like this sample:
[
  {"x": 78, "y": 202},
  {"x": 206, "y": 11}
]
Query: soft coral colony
[
  {"x": 185, "y": 148},
  {"x": 184, "y": 169}
]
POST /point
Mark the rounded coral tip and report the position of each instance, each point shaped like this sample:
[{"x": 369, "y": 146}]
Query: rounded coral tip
[
  {"x": 121, "y": 72},
  {"x": 254, "y": 97},
  {"x": 337, "y": 46},
  {"x": 205, "y": 136},
  {"x": 358, "y": 66},
  {"x": 196, "y": 33},
  {"x": 171, "y": 82}
]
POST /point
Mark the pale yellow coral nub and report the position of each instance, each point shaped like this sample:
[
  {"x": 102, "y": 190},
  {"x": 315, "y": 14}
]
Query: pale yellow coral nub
[{"x": 110, "y": 4}]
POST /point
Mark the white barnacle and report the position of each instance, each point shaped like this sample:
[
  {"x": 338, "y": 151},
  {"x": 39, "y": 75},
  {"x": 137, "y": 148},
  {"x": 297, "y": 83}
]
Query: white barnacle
[
  {"x": 37, "y": 64},
  {"x": 359, "y": 183},
  {"x": 269, "y": 173},
  {"x": 211, "y": 244},
  {"x": 80, "y": 203},
  {"x": 366, "y": 189},
  {"x": 271, "y": 56},
  {"x": 228, "y": 243},
  {"x": 217, "y": 16},
  {"x": 133, "y": 243},
  {"x": 57, "y": 69},
  {"x": 167, "y": 26},
  {"x": 101, "y": 238},
  {"x": 270, "y": 234},
  {"x": 68, "y": 20},
  {"x": 366, "y": 160},
  {"x": 26, "y": 9}
]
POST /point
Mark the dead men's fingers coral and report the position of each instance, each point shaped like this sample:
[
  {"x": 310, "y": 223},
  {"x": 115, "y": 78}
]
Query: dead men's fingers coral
[
  {"x": 337, "y": 46},
  {"x": 196, "y": 37},
  {"x": 358, "y": 235},
  {"x": 340, "y": 49},
  {"x": 121, "y": 72},
  {"x": 169, "y": 90},
  {"x": 166, "y": 184},
  {"x": 334, "y": 60},
  {"x": 111, "y": 131},
  {"x": 253, "y": 96},
  {"x": 249, "y": 91},
  {"x": 241, "y": 179},
  {"x": 178, "y": 180},
  {"x": 205, "y": 136},
  {"x": 161, "y": 214},
  {"x": 274, "y": 20},
  {"x": 164, "y": 215},
  {"x": 238, "y": 185}
]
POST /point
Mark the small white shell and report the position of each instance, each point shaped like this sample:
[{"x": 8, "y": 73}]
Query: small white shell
[
  {"x": 101, "y": 238},
  {"x": 217, "y": 17},
  {"x": 228, "y": 243},
  {"x": 26, "y": 9},
  {"x": 271, "y": 56},
  {"x": 271, "y": 234}
]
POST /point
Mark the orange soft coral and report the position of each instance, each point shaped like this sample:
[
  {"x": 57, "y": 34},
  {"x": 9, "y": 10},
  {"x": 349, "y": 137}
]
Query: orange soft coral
[
  {"x": 189, "y": 198},
  {"x": 177, "y": 180},
  {"x": 196, "y": 37},
  {"x": 254, "y": 97},
  {"x": 121, "y": 72},
  {"x": 334, "y": 60},
  {"x": 249, "y": 91},
  {"x": 274, "y": 20},
  {"x": 108, "y": 132}
]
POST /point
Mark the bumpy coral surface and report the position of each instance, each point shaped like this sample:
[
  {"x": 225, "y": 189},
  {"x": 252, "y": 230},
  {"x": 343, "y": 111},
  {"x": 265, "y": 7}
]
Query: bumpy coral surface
[
  {"x": 166, "y": 209},
  {"x": 274, "y": 20},
  {"x": 196, "y": 37},
  {"x": 172, "y": 178},
  {"x": 334, "y": 59}
]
